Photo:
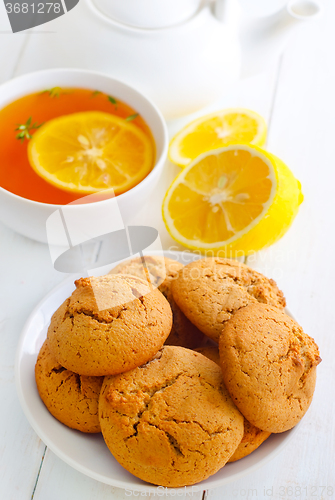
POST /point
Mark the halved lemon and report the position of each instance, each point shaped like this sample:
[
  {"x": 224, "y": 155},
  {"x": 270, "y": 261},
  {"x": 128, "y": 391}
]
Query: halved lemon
[
  {"x": 233, "y": 201},
  {"x": 91, "y": 151},
  {"x": 229, "y": 126}
]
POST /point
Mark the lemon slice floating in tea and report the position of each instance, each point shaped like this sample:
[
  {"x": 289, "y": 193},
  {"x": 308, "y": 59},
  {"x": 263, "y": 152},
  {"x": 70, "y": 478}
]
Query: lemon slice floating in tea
[
  {"x": 237, "y": 199},
  {"x": 91, "y": 151},
  {"x": 237, "y": 125}
]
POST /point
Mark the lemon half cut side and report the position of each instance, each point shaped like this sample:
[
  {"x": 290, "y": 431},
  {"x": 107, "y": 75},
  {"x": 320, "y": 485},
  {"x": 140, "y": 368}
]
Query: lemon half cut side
[
  {"x": 216, "y": 130},
  {"x": 236, "y": 200},
  {"x": 91, "y": 151}
]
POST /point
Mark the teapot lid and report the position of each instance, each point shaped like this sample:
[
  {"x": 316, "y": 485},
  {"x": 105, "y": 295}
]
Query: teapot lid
[{"x": 149, "y": 14}]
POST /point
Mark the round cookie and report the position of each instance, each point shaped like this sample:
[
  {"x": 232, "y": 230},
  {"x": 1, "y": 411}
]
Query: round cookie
[
  {"x": 71, "y": 398},
  {"x": 170, "y": 422},
  {"x": 269, "y": 366},
  {"x": 252, "y": 436},
  {"x": 252, "y": 439},
  {"x": 211, "y": 352},
  {"x": 161, "y": 271},
  {"x": 158, "y": 270},
  {"x": 209, "y": 291},
  {"x": 109, "y": 325}
]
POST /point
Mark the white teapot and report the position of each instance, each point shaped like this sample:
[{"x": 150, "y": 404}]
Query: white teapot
[{"x": 183, "y": 54}]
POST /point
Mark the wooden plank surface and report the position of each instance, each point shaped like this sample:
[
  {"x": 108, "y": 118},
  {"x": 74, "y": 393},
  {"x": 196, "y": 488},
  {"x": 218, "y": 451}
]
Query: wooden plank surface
[{"x": 21, "y": 450}]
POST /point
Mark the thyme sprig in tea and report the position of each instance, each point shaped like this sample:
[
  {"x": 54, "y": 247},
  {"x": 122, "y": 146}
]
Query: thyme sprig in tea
[
  {"x": 131, "y": 117},
  {"x": 112, "y": 100},
  {"x": 25, "y": 129},
  {"x": 55, "y": 92}
]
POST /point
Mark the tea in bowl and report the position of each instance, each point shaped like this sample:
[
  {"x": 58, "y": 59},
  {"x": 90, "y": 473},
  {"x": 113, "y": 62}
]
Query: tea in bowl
[{"x": 72, "y": 133}]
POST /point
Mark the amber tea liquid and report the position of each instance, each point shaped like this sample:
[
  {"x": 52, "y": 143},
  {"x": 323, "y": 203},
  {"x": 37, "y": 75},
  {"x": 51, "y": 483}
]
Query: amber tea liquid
[{"x": 16, "y": 174}]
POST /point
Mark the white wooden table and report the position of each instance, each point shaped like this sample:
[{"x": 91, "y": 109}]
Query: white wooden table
[{"x": 297, "y": 98}]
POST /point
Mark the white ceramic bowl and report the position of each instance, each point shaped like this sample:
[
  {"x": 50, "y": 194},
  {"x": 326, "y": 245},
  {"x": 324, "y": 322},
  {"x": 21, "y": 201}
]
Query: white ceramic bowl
[
  {"x": 149, "y": 13},
  {"x": 89, "y": 453},
  {"x": 29, "y": 217}
]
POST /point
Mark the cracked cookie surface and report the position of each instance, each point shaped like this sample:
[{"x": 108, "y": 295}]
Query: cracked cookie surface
[
  {"x": 127, "y": 329},
  {"x": 210, "y": 290},
  {"x": 161, "y": 271},
  {"x": 71, "y": 398},
  {"x": 269, "y": 366},
  {"x": 252, "y": 436},
  {"x": 170, "y": 422}
]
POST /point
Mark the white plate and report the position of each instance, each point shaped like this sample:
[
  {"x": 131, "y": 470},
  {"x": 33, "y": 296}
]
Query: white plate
[{"x": 88, "y": 453}]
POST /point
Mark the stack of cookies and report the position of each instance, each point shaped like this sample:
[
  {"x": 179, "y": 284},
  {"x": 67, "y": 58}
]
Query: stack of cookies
[
  {"x": 86, "y": 342},
  {"x": 182, "y": 368}
]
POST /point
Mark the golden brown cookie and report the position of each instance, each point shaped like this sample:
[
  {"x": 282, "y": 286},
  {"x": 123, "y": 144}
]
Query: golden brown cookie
[
  {"x": 269, "y": 366},
  {"x": 211, "y": 352},
  {"x": 158, "y": 270},
  {"x": 71, "y": 398},
  {"x": 161, "y": 271},
  {"x": 252, "y": 439},
  {"x": 252, "y": 436},
  {"x": 209, "y": 291},
  {"x": 170, "y": 422},
  {"x": 127, "y": 329}
]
